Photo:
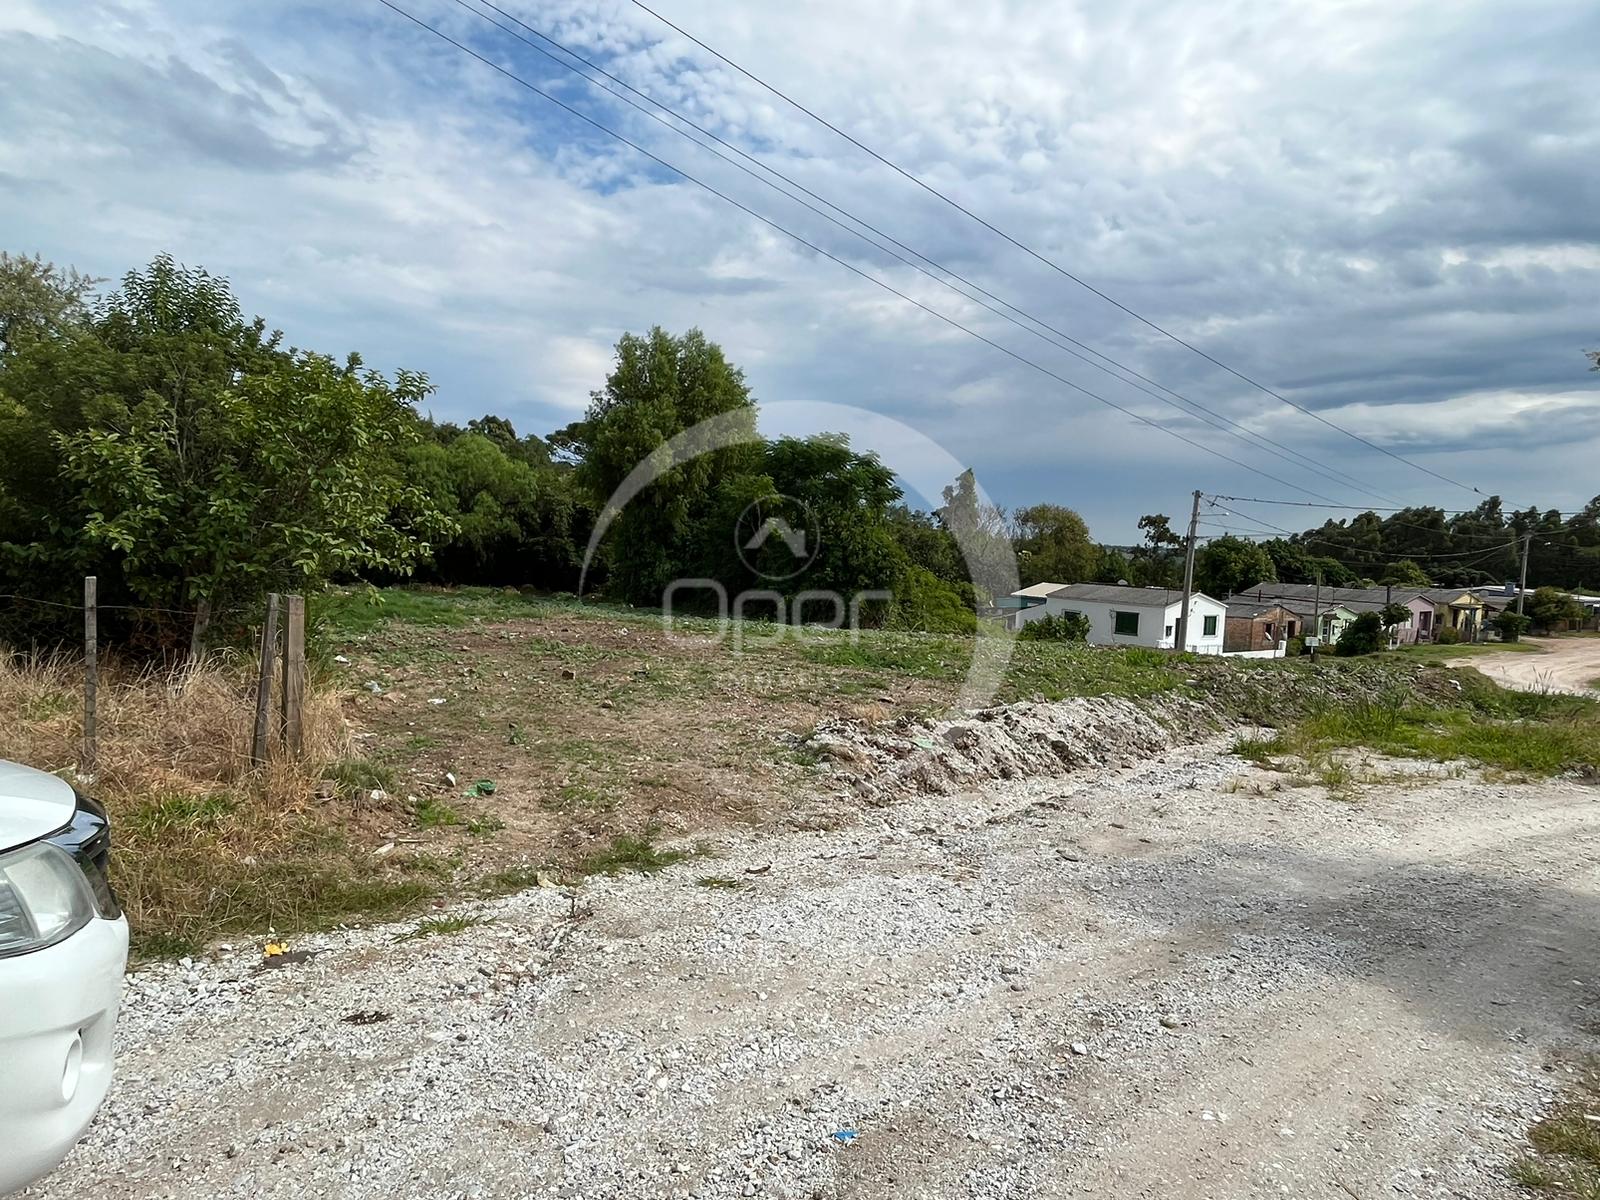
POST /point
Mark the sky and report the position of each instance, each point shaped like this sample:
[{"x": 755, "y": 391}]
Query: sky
[{"x": 1387, "y": 212}]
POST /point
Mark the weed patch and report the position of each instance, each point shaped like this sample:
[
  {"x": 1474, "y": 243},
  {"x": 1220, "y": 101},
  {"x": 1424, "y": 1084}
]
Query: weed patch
[
  {"x": 630, "y": 853},
  {"x": 438, "y": 927},
  {"x": 1566, "y": 1144}
]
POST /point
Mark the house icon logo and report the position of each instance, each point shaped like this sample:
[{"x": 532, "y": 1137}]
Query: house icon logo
[{"x": 777, "y": 537}]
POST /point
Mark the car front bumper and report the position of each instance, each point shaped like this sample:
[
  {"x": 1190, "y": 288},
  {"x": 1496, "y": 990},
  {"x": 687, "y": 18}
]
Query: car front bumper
[{"x": 58, "y": 1008}]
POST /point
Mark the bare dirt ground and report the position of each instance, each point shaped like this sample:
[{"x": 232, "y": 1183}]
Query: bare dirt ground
[
  {"x": 1565, "y": 665},
  {"x": 1179, "y": 978}
]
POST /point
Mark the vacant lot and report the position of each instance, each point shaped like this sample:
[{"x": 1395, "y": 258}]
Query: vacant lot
[
  {"x": 1183, "y": 978},
  {"x": 1564, "y": 664}
]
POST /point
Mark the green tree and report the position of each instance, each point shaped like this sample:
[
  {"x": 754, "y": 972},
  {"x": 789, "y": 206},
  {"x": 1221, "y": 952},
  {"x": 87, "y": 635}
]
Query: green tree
[
  {"x": 1157, "y": 562},
  {"x": 172, "y": 448},
  {"x": 660, "y": 386},
  {"x": 287, "y": 480},
  {"x": 1394, "y": 614},
  {"x": 1364, "y": 635},
  {"x": 1405, "y": 573},
  {"x": 39, "y": 299},
  {"x": 1053, "y": 545},
  {"x": 1551, "y": 608},
  {"x": 1228, "y": 564},
  {"x": 1510, "y": 624},
  {"x": 979, "y": 528}
]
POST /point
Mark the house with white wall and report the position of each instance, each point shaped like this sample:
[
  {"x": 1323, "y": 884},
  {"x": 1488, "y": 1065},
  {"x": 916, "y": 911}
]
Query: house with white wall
[{"x": 1125, "y": 616}]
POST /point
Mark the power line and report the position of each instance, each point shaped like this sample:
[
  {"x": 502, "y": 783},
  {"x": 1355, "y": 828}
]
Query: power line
[
  {"x": 1374, "y": 555},
  {"x": 815, "y": 249},
  {"x": 1054, "y": 266},
  {"x": 1449, "y": 512},
  {"x": 1302, "y": 461}
]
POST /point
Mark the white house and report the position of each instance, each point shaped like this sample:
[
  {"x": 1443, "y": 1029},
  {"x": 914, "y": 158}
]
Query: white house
[{"x": 1125, "y": 616}]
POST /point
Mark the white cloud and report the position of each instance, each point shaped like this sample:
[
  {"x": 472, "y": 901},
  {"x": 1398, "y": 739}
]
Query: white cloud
[{"x": 1388, "y": 219}]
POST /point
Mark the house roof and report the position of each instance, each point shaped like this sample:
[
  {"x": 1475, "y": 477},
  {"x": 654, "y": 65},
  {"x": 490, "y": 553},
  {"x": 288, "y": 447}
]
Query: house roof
[
  {"x": 1300, "y": 606},
  {"x": 1249, "y": 606},
  {"x": 1133, "y": 597},
  {"x": 1038, "y": 589},
  {"x": 1355, "y": 599}
]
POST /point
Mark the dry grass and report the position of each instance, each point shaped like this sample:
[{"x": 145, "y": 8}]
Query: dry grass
[{"x": 204, "y": 845}]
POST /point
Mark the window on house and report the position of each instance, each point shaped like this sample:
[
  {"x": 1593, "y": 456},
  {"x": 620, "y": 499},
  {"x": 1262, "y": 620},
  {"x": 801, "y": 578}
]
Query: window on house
[
  {"x": 1169, "y": 631},
  {"x": 1125, "y": 624},
  {"x": 1425, "y": 619},
  {"x": 1208, "y": 627},
  {"x": 1269, "y": 629},
  {"x": 1293, "y": 627}
]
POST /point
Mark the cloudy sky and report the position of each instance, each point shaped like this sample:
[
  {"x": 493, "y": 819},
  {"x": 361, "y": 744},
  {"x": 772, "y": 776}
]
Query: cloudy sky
[{"x": 1386, "y": 211}]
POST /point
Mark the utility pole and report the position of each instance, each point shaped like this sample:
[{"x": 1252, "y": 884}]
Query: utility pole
[
  {"x": 1188, "y": 577},
  {"x": 1522, "y": 587},
  {"x": 1316, "y": 619}
]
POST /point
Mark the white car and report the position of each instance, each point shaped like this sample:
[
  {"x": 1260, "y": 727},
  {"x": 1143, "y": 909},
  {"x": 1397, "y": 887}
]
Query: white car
[{"x": 63, "y": 949}]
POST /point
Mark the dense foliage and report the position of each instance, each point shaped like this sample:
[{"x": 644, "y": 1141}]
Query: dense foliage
[
  {"x": 159, "y": 439},
  {"x": 1364, "y": 635},
  {"x": 1058, "y": 627}
]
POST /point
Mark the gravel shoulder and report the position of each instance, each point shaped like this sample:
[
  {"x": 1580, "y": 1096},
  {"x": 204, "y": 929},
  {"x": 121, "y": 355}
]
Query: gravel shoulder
[
  {"x": 1565, "y": 665},
  {"x": 1176, "y": 977}
]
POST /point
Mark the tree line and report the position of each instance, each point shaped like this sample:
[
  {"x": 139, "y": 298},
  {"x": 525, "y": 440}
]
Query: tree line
[{"x": 155, "y": 436}]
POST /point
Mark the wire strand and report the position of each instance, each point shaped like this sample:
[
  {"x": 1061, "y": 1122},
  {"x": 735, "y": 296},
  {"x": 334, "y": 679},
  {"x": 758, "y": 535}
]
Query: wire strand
[
  {"x": 818, "y": 250},
  {"x": 1053, "y": 265},
  {"x": 1278, "y": 449}
]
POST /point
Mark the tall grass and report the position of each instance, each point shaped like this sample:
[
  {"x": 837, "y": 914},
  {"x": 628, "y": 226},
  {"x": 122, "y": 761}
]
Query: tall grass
[{"x": 203, "y": 845}]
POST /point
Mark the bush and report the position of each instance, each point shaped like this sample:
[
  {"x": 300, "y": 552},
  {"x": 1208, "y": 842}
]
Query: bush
[
  {"x": 1364, "y": 635},
  {"x": 1447, "y": 636},
  {"x": 1065, "y": 627},
  {"x": 1510, "y": 625}
]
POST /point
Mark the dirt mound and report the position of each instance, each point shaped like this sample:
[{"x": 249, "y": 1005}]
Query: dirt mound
[{"x": 1011, "y": 741}]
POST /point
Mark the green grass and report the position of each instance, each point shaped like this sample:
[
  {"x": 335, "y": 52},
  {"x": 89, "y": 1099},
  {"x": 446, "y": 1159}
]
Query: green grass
[
  {"x": 432, "y": 813},
  {"x": 1566, "y": 1145},
  {"x": 484, "y": 826},
  {"x": 1259, "y": 750},
  {"x": 166, "y": 813},
  {"x": 721, "y": 882},
  {"x": 1525, "y": 733},
  {"x": 630, "y": 853},
  {"x": 438, "y": 927}
]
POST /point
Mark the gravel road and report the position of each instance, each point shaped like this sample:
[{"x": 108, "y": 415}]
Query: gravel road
[
  {"x": 1174, "y": 979},
  {"x": 1569, "y": 664}
]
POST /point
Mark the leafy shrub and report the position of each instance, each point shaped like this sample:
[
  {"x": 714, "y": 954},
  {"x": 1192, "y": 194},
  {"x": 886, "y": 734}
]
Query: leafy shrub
[
  {"x": 1062, "y": 627},
  {"x": 1364, "y": 635},
  {"x": 1447, "y": 636},
  {"x": 1511, "y": 625}
]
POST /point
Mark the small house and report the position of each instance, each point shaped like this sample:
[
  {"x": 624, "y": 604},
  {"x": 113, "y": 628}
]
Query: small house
[{"x": 1120, "y": 615}]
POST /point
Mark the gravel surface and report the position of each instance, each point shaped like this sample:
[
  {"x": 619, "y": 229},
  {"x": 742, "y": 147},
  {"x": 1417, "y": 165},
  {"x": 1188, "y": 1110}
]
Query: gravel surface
[
  {"x": 1175, "y": 978},
  {"x": 1570, "y": 664}
]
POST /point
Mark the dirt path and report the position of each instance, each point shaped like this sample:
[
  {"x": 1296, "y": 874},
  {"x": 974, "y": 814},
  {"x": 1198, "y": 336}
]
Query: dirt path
[
  {"x": 1174, "y": 980},
  {"x": 1565, "y": 665}
]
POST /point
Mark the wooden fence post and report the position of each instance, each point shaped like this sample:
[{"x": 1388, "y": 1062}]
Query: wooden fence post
[
  {"x": 294, "y": 674},
  {"x": 269, "y": 654},
  {"x": 197, "y": 639},
  {"x": 91, "y": 671}
]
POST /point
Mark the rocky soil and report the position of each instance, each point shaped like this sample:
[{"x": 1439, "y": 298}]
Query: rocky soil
[{"x": 1166, "y": 976}]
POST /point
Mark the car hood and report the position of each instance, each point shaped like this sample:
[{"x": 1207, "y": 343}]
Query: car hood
[{"x": 32, "y": 804}]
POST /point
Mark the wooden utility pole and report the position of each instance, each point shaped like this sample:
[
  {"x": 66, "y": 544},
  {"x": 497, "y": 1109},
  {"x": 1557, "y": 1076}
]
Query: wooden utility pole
[
  {"x": 294, "y": 674},
  {"x": 264, "y": 672},
  {"x": 1522, "y": 586},
  {"x": 1316, "y": 619},
  {"x": 1188, "y": 577},
  {"x": 91, "y": 671}
]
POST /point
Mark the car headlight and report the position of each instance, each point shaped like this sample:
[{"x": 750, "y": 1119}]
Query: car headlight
[{"x": 44, "y": 898}]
